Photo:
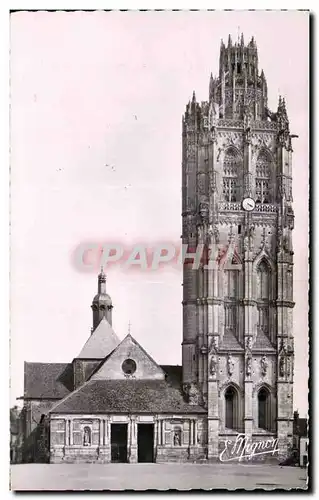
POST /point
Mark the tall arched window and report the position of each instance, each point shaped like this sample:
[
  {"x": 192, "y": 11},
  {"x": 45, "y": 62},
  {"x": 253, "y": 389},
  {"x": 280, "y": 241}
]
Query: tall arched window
[
  {"x": 263, "y": 294},
  {"x": 263, "y": 281},
  {"x": 231, "y": 408},
  {"x": 263, "y": 167},
  {"x": 231, "y": 284},
  {"x": 230, "y": 167},
  {"x": 264, "y": 409},
  {"x": 231, "y": 296}
]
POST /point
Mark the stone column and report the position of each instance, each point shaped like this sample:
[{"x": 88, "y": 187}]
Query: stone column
[
  {"x": 105, "y": 441},
  {"x": 133, "y": 439},
  {"x": 195, "y": 432},
  {"x": 71, "y": 432},
  {"x": 158, "y": 424},
  {"x": 190, "y": 432},
  {"x": 100, "y": 432},
  {"x": 162, "y": 433},
  {"x": 66, "y": 436}
]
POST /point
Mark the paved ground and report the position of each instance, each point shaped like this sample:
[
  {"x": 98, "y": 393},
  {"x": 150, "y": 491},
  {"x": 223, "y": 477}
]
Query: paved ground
[{"x": 154, "y": 476}]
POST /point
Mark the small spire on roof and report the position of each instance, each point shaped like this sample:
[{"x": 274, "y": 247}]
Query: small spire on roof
[
  {"x": 129, "y": 327},
  {"x": 102, "y": 274}
]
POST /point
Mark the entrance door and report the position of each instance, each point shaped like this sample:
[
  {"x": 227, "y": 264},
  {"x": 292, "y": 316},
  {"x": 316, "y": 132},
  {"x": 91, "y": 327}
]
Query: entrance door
[
  {"x": 119, "y": 442},
  {"x": 145, "y": 442}
]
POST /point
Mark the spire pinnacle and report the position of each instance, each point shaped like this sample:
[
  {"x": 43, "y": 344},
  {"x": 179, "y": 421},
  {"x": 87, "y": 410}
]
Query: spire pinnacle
[
  {"x": 229, "y": 41},
  {"x": 194, "y": 96},
  {"x": 102, "y": 275},
  {"x": 242, "y": 40},
  {"x": 129, "y": 328}
]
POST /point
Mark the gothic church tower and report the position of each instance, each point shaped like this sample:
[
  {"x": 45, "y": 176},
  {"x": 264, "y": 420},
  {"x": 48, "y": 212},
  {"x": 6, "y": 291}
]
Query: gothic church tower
[{"x": 237, "y": 198}]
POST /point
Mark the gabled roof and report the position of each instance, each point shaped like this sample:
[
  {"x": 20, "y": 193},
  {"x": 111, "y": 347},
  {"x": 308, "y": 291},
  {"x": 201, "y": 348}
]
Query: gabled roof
[
  {"x": 111, "y": 367},
  {"x": 125, "y": 396},
  {"x": 102, "y": 341},
  {"x": 47, "y": 380}
]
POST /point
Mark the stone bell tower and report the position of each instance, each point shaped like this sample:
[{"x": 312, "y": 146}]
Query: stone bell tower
[
  {"x": 237, "y": 202},
  {"x": 102, "y": 303}
]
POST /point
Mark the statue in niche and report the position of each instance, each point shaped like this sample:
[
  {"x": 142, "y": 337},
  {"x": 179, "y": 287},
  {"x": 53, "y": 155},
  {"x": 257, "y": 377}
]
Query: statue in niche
[
  {"x": 264, "y": 365},
  {"x": 249, "y": 237},
  {"x": 177, "y": 437},
  {"x": 87, "y": 436},
  {"x": 249, "y": 343},
  {"x": 213, "y": 365},
  {"x": 213, "y": 345},
  {"x": 246, "y": 242},
  {"x": 203, "y": 209},
  {"x": 288, "y": 369},
  {"x": 282, "y": 366},
  {"x": 214, "y": 233},
  {"x": 230, "y": 365},
  {"x": 248, "y": 366},
  {"x": 247, "y": 116},
  {"x": 251, "y": 231}
]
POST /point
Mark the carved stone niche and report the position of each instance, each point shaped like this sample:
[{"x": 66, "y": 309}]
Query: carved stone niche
[
  {"x": 230, "y": 365},
  {"x": 204, "y": 210},
  {"x": 264, "y": 365},
  {"x": 213, "y": 365},
  {"x": 248, "y": 366},
  {"x": 213, "y": 347},
  {"x": 249, "y": 343}
]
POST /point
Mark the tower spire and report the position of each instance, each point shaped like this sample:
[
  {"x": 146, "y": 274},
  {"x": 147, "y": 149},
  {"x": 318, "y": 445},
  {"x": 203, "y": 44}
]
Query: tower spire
[
  {"x": 102, "y": 302},
  {"x": 102, "y": 281}
]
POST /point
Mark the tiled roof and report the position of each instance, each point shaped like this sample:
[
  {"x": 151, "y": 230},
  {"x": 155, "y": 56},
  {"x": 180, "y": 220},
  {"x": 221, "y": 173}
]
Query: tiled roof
[
  {"x": 125, "y": 396},
  {"x": 102, "y": 341},
  {"x": 47, "y": 380},
  {"x": 55, "y": 380}
]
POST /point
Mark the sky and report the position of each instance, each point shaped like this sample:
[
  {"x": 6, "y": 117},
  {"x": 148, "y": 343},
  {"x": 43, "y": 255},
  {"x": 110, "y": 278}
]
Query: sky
[{"x": 96, "y": 109}]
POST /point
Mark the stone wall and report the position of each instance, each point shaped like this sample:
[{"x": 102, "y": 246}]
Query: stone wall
[{"x": 176, "y": 438}]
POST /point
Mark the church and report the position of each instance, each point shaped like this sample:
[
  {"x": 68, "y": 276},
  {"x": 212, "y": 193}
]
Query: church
[{"x": 113, "y": 402}]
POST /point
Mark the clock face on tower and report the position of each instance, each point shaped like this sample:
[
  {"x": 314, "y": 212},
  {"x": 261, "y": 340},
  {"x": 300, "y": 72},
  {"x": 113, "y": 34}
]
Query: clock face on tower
[{"x": 248, "y": 204}]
